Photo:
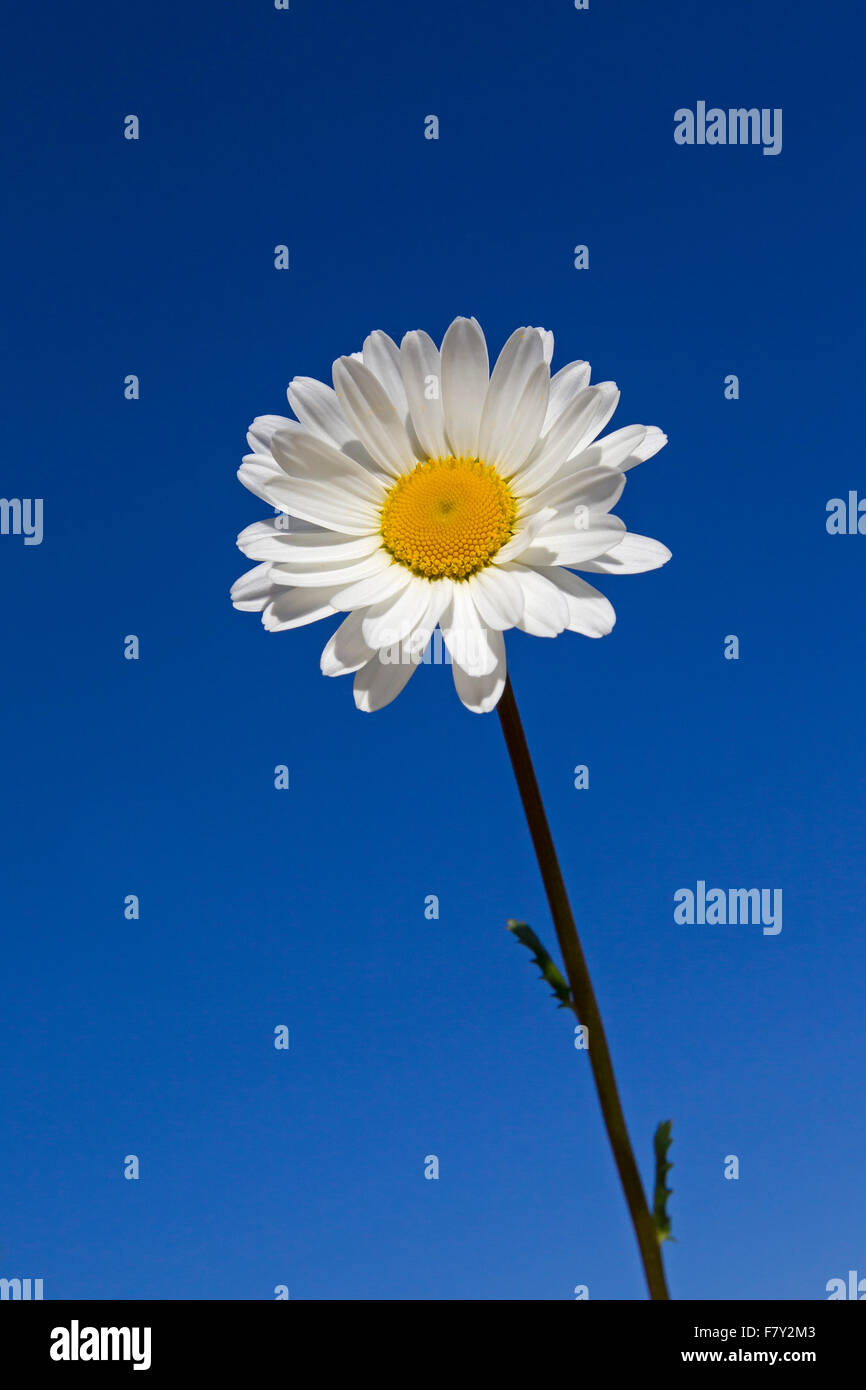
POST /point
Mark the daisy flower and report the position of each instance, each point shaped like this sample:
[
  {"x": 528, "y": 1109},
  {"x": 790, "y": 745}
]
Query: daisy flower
[{"x": 425, "y": 490}]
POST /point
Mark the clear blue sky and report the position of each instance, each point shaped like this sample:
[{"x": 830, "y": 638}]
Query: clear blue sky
[{"x": 306, "y": 908}]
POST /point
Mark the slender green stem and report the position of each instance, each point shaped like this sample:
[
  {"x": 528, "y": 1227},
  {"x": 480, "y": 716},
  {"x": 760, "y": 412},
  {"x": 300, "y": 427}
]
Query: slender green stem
[{"x": 583, "y": 994}]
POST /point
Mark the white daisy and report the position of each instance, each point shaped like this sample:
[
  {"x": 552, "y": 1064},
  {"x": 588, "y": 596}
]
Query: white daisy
[{"x": 424, "y": 490}]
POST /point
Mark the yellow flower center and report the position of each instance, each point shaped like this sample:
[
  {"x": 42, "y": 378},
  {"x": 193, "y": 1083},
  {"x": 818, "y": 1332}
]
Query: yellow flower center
[{"x": 449, "y": 516}]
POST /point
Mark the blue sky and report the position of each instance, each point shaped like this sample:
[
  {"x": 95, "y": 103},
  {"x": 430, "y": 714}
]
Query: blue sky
[{"x": 412, "y": 1037}]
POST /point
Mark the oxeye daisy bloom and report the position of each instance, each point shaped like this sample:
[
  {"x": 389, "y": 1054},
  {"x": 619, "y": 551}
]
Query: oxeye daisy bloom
[{"x": 425, "y": 490}]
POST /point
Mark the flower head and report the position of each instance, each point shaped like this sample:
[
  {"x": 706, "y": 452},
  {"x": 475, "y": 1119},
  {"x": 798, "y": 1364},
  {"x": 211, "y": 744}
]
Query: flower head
[{"x": 425, "y": 490}]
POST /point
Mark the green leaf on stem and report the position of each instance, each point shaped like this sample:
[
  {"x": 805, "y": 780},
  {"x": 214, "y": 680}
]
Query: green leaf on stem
[
  {"x": 526, "y": 936},
  {"x": 662, "y": 1142}
]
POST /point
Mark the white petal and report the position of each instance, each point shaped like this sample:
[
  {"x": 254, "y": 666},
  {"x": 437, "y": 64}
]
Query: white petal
[
  {"x": 515, "y": 366},
  {"x": 572, "y": 545},
  {"x": 415, "y": 641},
  {"x": 396, "y": 617},
  {"x": 634, "y": 555},
  {"x": 525, "y": 535},
  {"x": 464, "y": 384},
  {"x": 346, "y": 651},
  {"x": 296, "y": 608},
  {"x": 321, "y": 574},
  {"x": 564, "y": 385},
  {"x": 374, "y": 416},
  {"x": 320, "y": 413},
  {"x": 545, "y": 610},
  {"x": 622, "y": 449},
  {"x": 258, "y": 476},
  {"x": 526, "y": 422},
  {"x": 600, "y": 403},
  {"x": 497, "y": 595},
  {"x": 589, "y": 611},
  {"x": 382, "y": 358},
  {"x": 321, "y": 503},
  {"x": 324, "y": 485},
  {"x": 298, "y": 528},
  {"x": 301, "y": 455},
  {"x": 547, "y": 344},
  {"x": 653, "y": 440},
  {"x": 576, "y": 427},
  {"x": 480, "y": 693},
  {"x": 469, "y": 641},
  {"x": 262, "y": 431},
  {"x": 268, "y": 540},
  {"x": 616, "y": 447},
  {"x": 253, "y": 590},
  {"x": 421, "y": 365},
  {"x": 374, "y": 589},
  {"x": 380, "y": 682},
  {"x": 594, "y": 489}
]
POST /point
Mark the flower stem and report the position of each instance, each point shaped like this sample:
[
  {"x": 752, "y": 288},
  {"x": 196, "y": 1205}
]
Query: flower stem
[{"x": 583, "y": 994}]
